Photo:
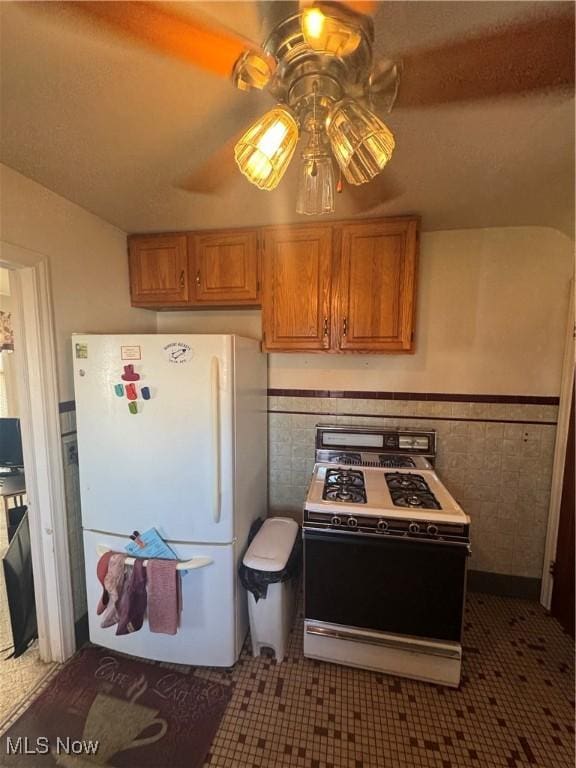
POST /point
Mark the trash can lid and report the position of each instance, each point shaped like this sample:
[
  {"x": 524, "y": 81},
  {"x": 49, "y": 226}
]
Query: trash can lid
[{"x": 271, "y": 547}]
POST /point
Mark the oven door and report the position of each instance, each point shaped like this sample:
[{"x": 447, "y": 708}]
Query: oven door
[{"x": 396, "y": 585}]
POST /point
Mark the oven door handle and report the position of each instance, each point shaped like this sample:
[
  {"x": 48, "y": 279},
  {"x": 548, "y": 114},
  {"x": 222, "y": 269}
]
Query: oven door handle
[
  {"x": 412, "y": 645},
  {"x": 315, "y": 533}
]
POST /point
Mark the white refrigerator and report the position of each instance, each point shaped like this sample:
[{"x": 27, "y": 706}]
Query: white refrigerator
[{"x": 172, "y": 435}]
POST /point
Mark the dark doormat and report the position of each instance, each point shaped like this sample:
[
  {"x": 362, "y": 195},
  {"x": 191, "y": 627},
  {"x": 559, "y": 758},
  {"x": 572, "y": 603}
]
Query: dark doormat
[{"x": 136, "y": 714}]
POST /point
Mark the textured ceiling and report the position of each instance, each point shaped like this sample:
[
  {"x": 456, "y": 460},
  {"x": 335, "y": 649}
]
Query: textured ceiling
[{"x": 119, "y": 129}]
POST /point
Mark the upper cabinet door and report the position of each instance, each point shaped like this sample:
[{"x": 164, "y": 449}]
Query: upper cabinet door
[
  {"x": 158, "y": 270},
  {"x": 376, "y": 287},
  {"x": 226, "y": 267},
  {"x": 296, "y": 296}
]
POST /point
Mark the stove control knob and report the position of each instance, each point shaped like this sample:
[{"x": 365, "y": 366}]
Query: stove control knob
[
  {"x": 352, "y": 522},
  {"x": 414, "y": 528},
  {"x": 336, "y": 520},
  {"x": 432, "y": 529},
  {"x": 382, "y": 525}
]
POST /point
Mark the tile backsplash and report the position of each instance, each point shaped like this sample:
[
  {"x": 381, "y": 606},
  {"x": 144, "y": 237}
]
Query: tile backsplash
[{"x": 494, "y": 457}]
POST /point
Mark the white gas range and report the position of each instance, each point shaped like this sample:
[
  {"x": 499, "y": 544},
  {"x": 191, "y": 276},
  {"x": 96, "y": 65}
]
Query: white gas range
[{"x": 385, "y": 550}]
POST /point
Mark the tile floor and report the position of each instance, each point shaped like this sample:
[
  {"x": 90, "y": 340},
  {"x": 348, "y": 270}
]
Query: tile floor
[
  {"x": 18, "y": 677},
  {"x": 514, "y": 709},
  {"x": 515, "y": 706}
]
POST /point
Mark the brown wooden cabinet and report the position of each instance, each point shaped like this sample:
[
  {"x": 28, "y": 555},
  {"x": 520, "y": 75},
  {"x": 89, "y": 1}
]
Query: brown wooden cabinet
[
  {"x": 296, "y": 287},
  {"x": 159, "y": 274},
  {"x": 374, "y": 300},
  {"x": 343, "y": 288},
  {"x": 326, "y": 287},
  {"x": 194, "y": 270},
  {"x": 225, "y": 267}
]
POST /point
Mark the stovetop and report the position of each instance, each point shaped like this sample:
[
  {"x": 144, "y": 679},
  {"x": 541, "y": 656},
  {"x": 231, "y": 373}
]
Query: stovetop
[
  {"x": 372, "y": 459},
  {"x": 382, "y": 493}
]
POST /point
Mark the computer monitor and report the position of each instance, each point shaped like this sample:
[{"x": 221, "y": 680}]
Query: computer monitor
[{"x": 10, "y": 444}]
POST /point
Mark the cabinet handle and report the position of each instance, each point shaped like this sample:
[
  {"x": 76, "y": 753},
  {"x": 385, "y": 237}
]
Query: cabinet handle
[
  {"x": 345, "y": 327},
  {"x": 198, "y": 277},
  {"x": 182, "y": 278},
  {"x": 325, "y": 326}
]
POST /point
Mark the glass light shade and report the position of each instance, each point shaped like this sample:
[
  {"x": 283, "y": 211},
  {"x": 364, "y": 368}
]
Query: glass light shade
[
  {"x": 329, "y": 34},
  {"x": 252, "y": 70},
  {"x": 361, "y": 143},
  {"x": 265, "y": 150},
  {"x": 315, "y": 186}
]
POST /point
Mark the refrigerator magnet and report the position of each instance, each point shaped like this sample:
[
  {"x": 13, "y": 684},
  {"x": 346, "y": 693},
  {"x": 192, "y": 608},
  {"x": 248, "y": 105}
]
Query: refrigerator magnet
[
  {"x": 130, "y": 374},
  {"x": 81, "y": 351},
  {"x": 145, "y": 392},
  {"x": 133, "y": 407},
  {"x": 131, "y": 392},
  {"x": 178, "y": 352},
  {"x": 119, "y": 390}
]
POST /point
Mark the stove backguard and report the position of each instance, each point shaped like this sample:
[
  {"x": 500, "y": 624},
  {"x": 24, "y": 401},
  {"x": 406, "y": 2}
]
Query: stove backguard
[{"x": 371, "y": 445}]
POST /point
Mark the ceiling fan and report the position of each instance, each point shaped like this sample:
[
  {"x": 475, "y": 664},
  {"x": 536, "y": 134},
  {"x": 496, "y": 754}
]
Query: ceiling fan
[{"x": 318, "y": 65}]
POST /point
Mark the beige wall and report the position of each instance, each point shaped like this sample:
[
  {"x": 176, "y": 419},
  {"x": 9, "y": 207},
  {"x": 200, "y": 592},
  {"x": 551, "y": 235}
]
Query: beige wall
[
  {"x": 87, "y": 258},
  {"x": 491, "y": 318}
]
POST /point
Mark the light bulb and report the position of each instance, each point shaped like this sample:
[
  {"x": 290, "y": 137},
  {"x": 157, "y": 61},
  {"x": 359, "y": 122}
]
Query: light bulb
[
  {"x": 329, "y": 34},
  {"x": 312, "y": 23},
  {"x": 265, "y": 150}
]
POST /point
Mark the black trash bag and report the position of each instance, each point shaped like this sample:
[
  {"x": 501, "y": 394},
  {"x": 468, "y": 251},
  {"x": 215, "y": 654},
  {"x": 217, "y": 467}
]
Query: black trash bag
[{"x": 257, "y": 582}]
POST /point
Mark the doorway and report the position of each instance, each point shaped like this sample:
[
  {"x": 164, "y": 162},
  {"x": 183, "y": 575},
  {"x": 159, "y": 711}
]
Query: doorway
[
  {"x": 562, "y": 607},
  {"x": 29, "y": 392}
]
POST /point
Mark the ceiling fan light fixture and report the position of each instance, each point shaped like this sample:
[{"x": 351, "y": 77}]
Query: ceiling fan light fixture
[
  {"x": 316, "y": 186},
  {"x": 316, "y": 177},
  {"x": 253, "y": 70},
  {"x": 265, "y": 150},
  {"x": 362, "y": 144},
  {"x": 329, "y": 34}
]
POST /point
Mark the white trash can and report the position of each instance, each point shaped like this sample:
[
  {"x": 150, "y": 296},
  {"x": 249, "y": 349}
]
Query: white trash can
[{"x": 271, "y": 617}]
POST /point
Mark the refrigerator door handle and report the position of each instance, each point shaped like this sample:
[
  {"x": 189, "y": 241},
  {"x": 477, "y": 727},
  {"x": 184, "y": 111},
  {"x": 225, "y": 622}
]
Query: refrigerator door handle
[
  {"x": 215, "y": 399},
  {"x": 183, "y": 565}
]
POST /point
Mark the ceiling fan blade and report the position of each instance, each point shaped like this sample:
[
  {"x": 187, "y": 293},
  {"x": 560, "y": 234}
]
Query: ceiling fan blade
[
  {"x": 365, "y": 197},
  {"x": 361, "y": 7},
  {"x": 519, "y": 58},
  {"x": 215, "y": 173},
  {"x": 189, "y": 38}
]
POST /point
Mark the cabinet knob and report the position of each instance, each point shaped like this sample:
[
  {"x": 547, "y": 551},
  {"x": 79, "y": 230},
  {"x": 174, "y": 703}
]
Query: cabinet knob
[
  {"x": 182, "y": 278},
  {"x": 325, "y": 326},
  {"x": 198, "y": 277},
  {"x": 345, "y": 327}
]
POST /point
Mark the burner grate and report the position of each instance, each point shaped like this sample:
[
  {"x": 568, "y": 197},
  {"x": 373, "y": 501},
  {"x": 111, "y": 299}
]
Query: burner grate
[
  {"x": 345, "y": 493},
  {"x": 406, "y": 481},
  {"x": 411, "y": 491},
  {"x": 346, "y": 458},
  {"x": 352, "y": 477},
  {"x": 393, "y": 461},
  {"x": 415, "y": 500},
  {"x": 345, "y": 485}
]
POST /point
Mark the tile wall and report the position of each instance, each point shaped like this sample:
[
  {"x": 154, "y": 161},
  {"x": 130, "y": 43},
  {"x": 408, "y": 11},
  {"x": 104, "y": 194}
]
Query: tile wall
[
  {"x": 73, "y": 512},
  {"x": 495, "y": 458}
]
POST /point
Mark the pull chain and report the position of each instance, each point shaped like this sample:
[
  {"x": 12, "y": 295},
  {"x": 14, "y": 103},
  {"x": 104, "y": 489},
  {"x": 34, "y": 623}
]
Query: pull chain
[{"x": 314, "y": 169}]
